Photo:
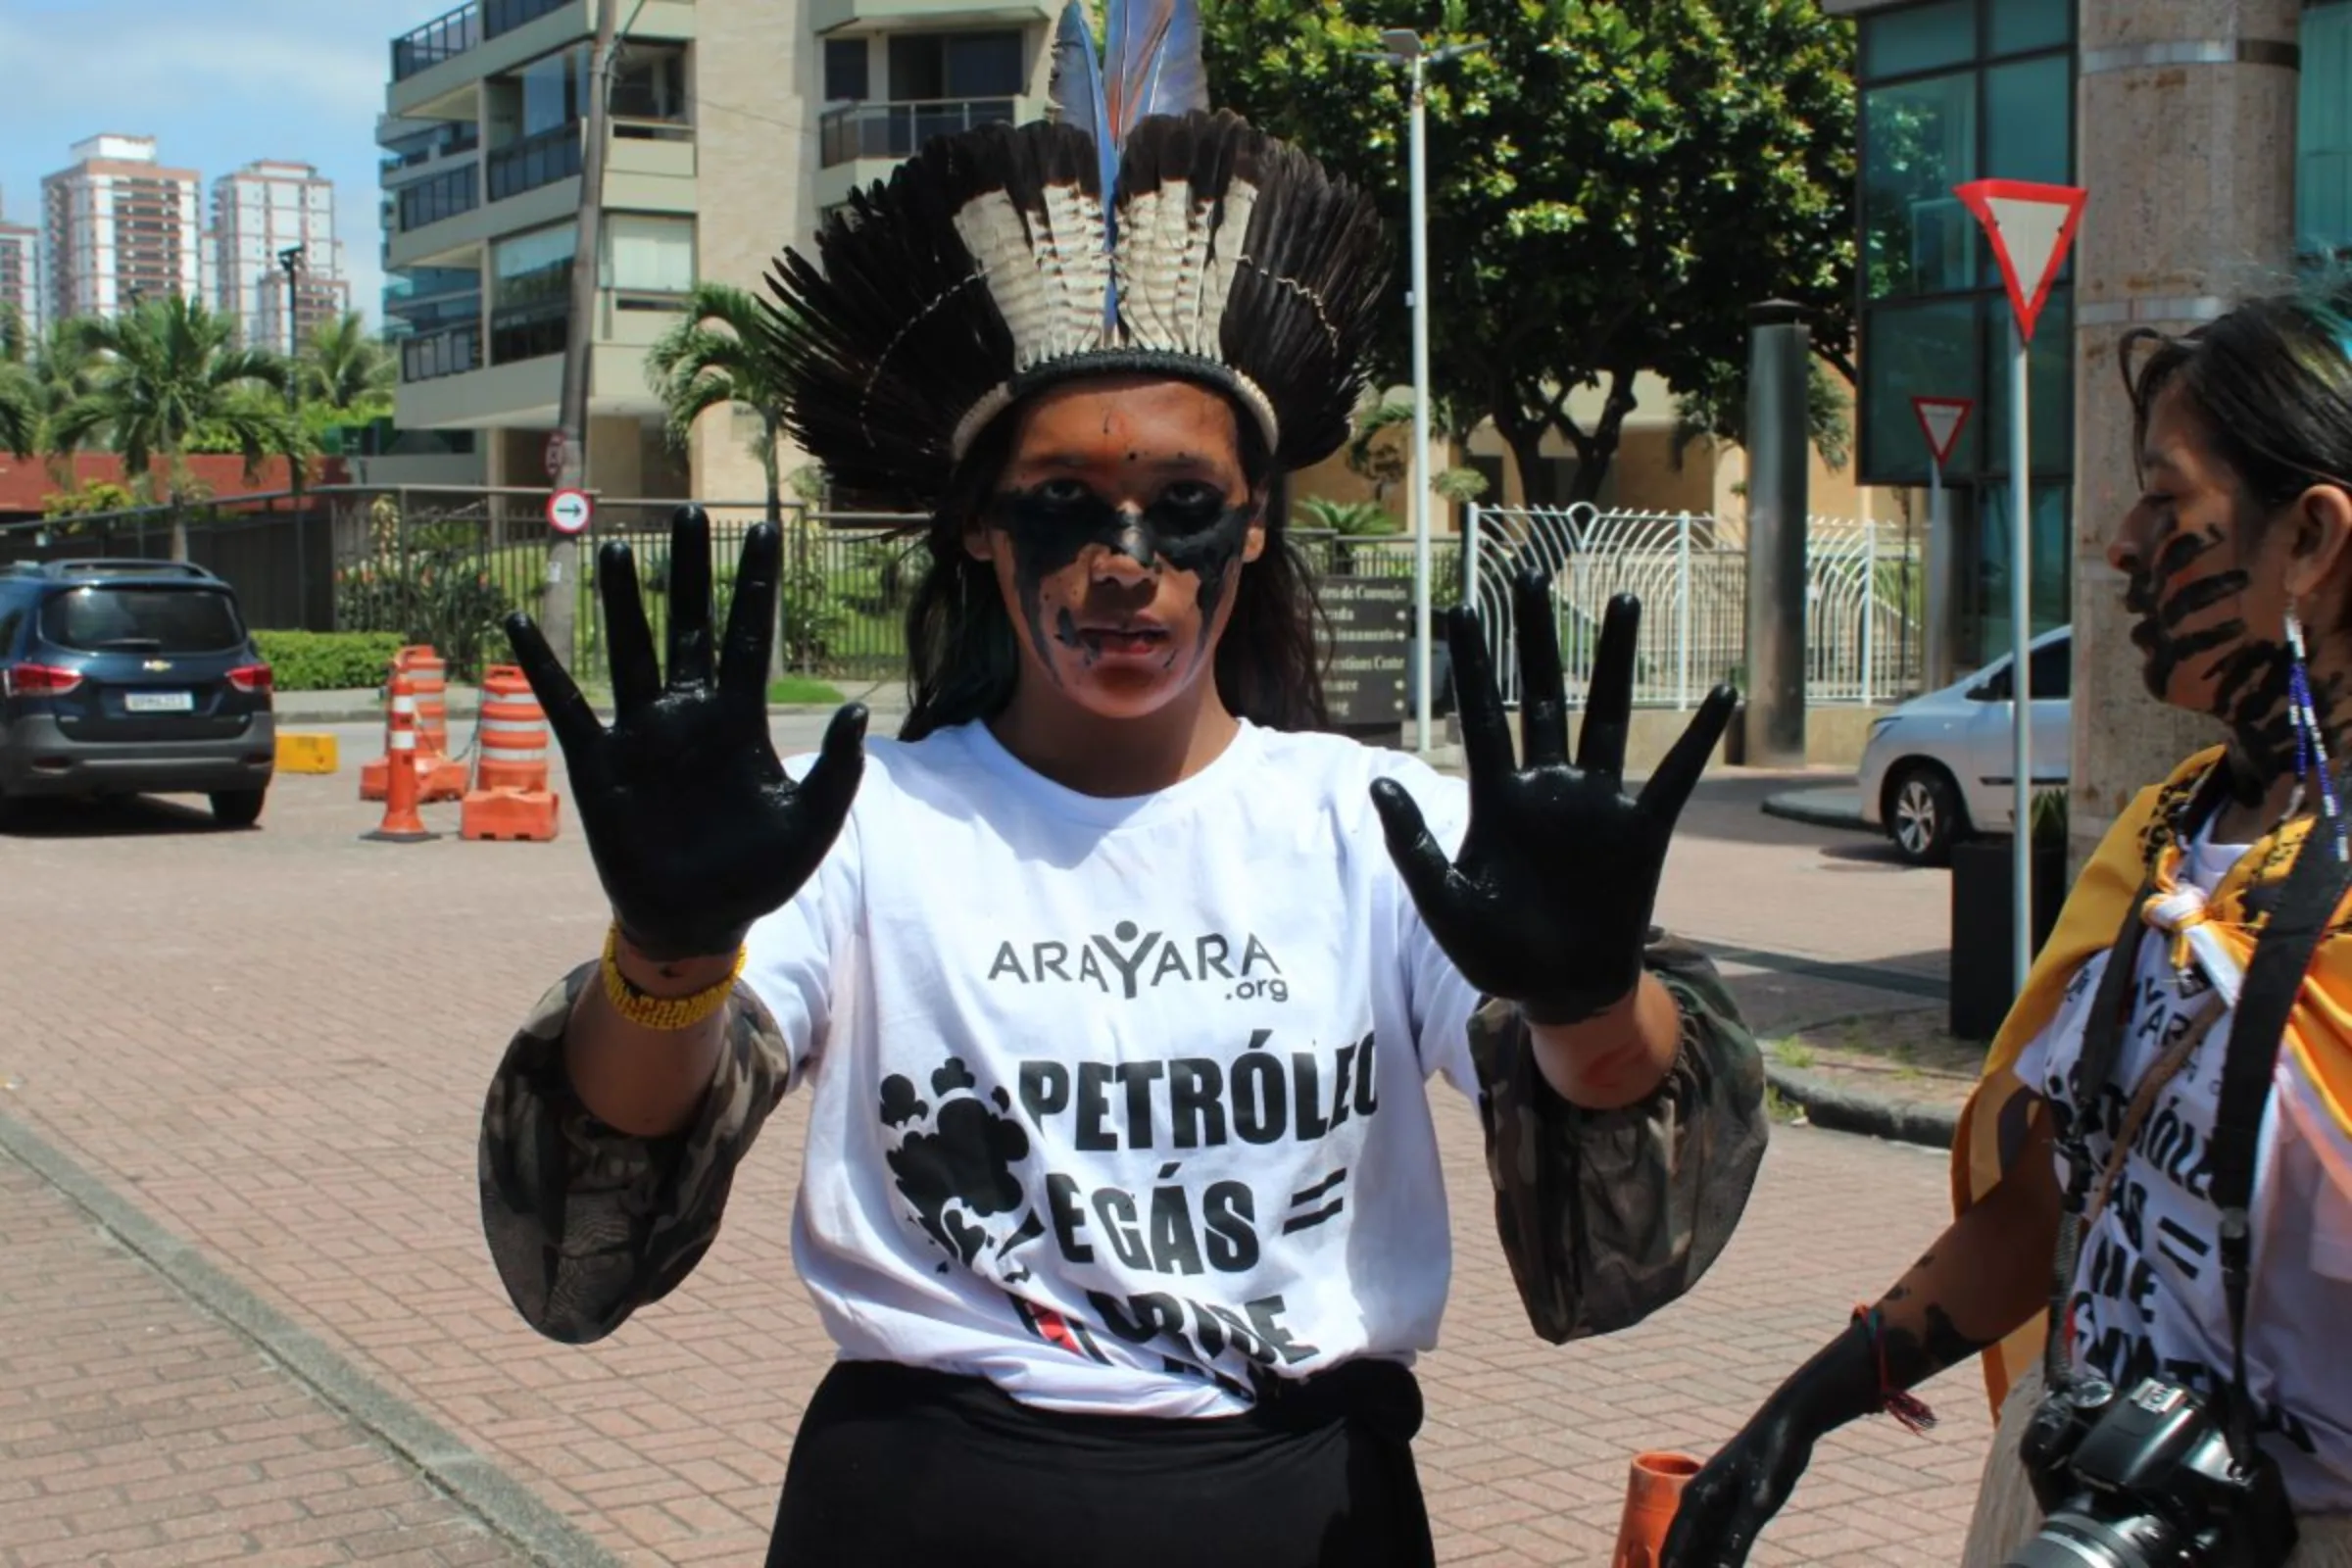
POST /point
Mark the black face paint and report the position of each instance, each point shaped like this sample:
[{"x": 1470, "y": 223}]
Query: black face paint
[
  {"x": 2250, "y": 676},
  {"x": 1196, "y": 533}
]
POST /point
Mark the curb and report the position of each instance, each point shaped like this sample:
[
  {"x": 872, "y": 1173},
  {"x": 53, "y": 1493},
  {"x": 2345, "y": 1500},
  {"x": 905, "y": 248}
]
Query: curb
[
  {"x": 1840, "y": 1111},
  {"x": 504, "y": 1504},
  {"x": 465, "y": 715},
  {"x": 1842, "y": 809}
]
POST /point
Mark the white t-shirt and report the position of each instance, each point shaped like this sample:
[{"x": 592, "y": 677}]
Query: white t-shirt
[
  {"x": 1120, "y": 1102},
  {"x": 2148, "y": 1299}
]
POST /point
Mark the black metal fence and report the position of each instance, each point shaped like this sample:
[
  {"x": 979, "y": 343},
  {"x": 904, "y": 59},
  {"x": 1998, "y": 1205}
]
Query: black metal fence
[{"x": 447, "y": 566}]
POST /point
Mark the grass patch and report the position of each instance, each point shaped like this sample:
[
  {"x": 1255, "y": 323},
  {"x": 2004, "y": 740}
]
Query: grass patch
[
  {"x": 1780, "y": 1108},
  {"x": 803, "y": 688},
  {"x": 1793, "y": 1055}
]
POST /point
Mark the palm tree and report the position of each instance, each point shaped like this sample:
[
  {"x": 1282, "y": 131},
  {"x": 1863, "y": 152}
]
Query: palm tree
[
  {"x": 20, "y": 413},
  {"x": 718, "y": 356},
  {"x": 167, "y": 369},
  {"x": 347, "y": 369}
]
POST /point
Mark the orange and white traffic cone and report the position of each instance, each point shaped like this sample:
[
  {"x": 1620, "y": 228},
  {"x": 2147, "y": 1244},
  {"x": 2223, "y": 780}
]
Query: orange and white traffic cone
[
  {"x": 1652, "y": 1495},
  {"x": 401, "y": 823},
  {"x": 511, "y": 799}
]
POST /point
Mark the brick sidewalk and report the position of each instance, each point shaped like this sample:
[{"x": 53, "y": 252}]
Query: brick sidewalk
[{"x": 275, "y": 1043}]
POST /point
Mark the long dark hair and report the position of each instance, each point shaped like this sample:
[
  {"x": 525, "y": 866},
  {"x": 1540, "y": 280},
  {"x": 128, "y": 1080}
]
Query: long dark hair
[
  {"x": 962, "y": 657},
  {"x": 2271, "y": 384}
]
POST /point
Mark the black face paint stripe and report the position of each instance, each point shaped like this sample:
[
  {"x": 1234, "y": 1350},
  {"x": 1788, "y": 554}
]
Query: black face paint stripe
[{"x": 2202, "y": 595}]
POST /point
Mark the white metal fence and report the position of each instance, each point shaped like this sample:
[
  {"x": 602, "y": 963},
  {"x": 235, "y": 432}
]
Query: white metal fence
[{"x": 1690, "y": 571}]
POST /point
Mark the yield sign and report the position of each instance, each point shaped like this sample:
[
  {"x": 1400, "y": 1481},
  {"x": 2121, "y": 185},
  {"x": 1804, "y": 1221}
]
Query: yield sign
[
  {"x": 1942, "y": 419},
  {"x": 2032, "y": 227}
]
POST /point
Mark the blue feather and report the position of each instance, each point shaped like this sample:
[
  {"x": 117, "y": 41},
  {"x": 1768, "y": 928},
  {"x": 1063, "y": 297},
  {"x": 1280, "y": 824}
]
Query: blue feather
[
  {"x": 1078, "y": 90},
  {"x": 1152, "y": 61}
]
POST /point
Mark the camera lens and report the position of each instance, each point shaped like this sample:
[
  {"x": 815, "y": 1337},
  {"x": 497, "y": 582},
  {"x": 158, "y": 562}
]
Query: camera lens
[{"x": 2072, "y": 1538}]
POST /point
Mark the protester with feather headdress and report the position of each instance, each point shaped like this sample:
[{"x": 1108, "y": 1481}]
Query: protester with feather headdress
[{"x": 1121, "y": 1196}]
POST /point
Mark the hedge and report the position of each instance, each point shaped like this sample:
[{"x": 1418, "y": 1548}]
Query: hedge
[{"x": 328, "y": 661}]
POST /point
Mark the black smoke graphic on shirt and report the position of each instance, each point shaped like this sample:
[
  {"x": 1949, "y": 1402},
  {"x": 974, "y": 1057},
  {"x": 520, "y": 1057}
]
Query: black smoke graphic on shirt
[{"x": 955, "y": 1163}]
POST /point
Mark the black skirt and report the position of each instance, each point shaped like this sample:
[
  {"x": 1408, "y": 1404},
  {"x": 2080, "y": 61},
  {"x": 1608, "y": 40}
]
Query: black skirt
[{"x": 896, "y": 1465}]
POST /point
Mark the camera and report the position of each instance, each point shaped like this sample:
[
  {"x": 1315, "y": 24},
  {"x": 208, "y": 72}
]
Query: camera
[{"x": 2146, "y": 1481}]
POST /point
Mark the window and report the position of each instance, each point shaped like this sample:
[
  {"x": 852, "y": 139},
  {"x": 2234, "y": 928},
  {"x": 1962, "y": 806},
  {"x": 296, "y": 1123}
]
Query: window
[
  {"x": 932, "y": 66},
  {"x": 648, "y": 255},
  {"x": 650, "y": 83},
  {"x": 555, "y": 91},
  {"x": 845, "y": 70},
  {"x": 1921, "y": 38},
  {"x": 2052, "y": 668},
  {"x": 2324, "y": 130},
  {"x": 1920, "y": 140},
  {"x": 530, "y": 294},
  {"x": 157, "y": 620}
]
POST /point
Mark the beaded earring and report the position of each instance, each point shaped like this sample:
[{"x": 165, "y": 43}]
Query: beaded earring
[{"x": 2311, "y": 746}]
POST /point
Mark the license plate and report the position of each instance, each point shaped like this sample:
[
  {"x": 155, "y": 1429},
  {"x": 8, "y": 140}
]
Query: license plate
[{"x": 159, "y": 702}]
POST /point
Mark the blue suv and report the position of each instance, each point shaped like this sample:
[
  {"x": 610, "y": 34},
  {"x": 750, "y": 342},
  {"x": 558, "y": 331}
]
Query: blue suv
[{"x": 122, "y": 677}]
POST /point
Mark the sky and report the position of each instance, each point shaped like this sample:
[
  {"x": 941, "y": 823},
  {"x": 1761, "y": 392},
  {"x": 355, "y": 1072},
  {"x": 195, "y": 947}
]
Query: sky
[{"x": 218, "y": 84}]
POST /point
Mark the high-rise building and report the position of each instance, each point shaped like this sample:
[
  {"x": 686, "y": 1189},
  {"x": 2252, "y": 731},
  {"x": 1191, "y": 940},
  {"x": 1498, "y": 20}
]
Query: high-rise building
[
  {"x": 707, "y": 176},
  {"x": 118, "y": 226},
  {"x": 19, "y": 270},
  {"x": 260, "y": 213}
]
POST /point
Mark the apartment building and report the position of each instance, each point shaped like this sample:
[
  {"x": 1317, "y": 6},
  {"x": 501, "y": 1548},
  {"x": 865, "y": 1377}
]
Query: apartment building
[
  {"x": 260, "y": 213},
  {"x": 734, "y": 125},
  {"x": 19, "y": 270},
  {"x": 119, "y": 225}
]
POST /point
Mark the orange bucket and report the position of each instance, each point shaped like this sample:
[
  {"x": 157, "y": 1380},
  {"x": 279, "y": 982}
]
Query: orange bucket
[{"x": 1652, "y": 1492}]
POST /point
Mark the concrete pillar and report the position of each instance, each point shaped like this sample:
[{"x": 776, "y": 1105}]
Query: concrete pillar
[
  {"x": 2186, "y": 119},
  {"x": 1779, "y": 457}
]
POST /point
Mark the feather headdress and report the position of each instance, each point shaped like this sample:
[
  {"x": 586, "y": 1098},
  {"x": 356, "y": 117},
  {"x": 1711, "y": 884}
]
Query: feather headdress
[{"x": 1136, "y": 232}]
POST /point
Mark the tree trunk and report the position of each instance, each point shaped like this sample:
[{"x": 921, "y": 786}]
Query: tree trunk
[
  {"x": 775, "y": 482},
  {"x": 1527, "y": 455}
]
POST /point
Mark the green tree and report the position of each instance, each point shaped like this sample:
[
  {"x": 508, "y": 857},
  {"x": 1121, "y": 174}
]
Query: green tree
[
  {"x": 46, "y": 372},
  {"x": 167, "y": 371},
  {"x": 348, "y": 370},
  {"x": 1613, "y": 183},
  {"x": 19, "y": 414},
  {"x": 717, "y": 357},
  {"x": 1719, "y": 408}
]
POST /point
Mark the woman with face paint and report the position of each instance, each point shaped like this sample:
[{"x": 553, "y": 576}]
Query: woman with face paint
[
  {"x": 2149, "y": 1086},
  {"x": 1115, "y": 985}
]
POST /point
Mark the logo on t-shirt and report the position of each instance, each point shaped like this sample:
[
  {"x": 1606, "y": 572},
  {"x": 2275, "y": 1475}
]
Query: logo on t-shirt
[{"x": 1129, "y": 961}]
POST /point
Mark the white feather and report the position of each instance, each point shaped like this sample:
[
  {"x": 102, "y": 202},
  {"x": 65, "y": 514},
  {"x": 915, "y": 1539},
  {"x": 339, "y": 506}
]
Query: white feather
[{"x": 1224, "y": 262}]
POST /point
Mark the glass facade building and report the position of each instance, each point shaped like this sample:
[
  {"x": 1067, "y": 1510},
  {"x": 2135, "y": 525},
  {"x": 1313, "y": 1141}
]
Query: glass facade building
[{"x": 1955, "y": 90}]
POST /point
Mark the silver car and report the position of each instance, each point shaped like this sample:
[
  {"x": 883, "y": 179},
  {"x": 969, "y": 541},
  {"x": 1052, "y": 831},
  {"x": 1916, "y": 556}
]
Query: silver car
[{"x": 1938, "y": 768}]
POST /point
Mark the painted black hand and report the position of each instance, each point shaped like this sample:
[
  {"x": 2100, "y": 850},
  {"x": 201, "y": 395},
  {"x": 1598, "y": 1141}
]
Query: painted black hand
[
  {"x": 1727, "y": 1504},
  {"x": 1548, "y": 904},
  {"x": 1749, "y": 1481},
  {"x": 695, "y": 830}
]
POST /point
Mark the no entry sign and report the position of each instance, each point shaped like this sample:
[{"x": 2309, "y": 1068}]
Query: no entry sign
[{"x": 568, "y": 512}]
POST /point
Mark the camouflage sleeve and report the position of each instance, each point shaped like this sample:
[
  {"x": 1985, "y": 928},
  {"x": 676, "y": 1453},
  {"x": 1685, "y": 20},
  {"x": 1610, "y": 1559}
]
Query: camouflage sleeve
[
  {"x": 1607, "y": 1216},
  {"x": 587, "y": 1224}
]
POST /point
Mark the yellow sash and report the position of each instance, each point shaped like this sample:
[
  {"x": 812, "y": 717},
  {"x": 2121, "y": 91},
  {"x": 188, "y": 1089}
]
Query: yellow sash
[{"x": 2144, "y": 845}]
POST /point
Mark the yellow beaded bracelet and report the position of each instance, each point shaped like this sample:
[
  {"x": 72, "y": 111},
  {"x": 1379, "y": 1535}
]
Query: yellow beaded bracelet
[{"x": 650, "y": 1012}]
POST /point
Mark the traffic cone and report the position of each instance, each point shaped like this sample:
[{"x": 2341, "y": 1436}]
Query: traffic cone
[
  {"x": 439, "y": 776},
  {"x": 401, "y": 823},
  {"x": 1652, "y": 1495},
  {"x": 510, "y": 799}
]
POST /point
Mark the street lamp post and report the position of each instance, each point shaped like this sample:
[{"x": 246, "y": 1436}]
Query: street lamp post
[
  {"x": 289, "y": 262},
  {"x": 1402, "y": 46}
]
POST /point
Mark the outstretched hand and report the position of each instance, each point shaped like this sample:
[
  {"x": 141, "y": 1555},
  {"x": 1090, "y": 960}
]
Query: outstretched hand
[
  {"x": 694, "y": 827},
  {"x": 1548, "y": 903}
]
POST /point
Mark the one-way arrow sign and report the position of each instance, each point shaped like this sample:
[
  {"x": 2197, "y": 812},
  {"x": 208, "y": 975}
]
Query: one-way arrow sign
[{"x": 2032, "y": 227}]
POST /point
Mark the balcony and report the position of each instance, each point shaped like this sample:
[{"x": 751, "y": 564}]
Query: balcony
[
  {"x": 893, "y": 130},
  {"x": 445, "y": 37},
  {"x": 504, "y": 16},
  {"x": 536, "y": 161},
  {"x": 452, "y": 351},
  {"x": 442, "y": 197}
]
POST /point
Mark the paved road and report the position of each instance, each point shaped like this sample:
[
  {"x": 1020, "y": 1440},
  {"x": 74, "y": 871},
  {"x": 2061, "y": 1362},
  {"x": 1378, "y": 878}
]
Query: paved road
[{"x": 254, "y": 1061}]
